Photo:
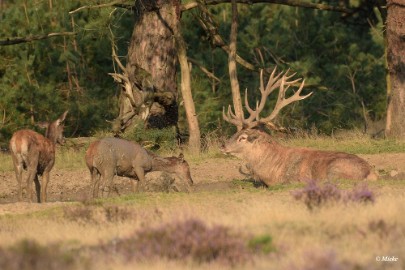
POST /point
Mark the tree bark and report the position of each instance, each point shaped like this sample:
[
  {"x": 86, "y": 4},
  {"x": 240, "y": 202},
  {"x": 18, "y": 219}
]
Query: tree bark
[
  {"x": 151, "y": 64},
  {"x": 395, "y": 29},
  {"x": 236, "y": 98}
]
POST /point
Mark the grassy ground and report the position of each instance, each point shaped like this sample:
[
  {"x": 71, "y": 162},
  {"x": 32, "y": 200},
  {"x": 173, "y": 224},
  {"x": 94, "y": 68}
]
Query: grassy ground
[
  {"x": 349, "y": 235},
  {"x": 284, "y": 232}
]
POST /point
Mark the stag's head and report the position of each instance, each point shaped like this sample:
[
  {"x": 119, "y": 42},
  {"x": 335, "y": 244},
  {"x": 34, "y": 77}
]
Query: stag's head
[
  {"x": 243, "y": 142},
  {"x": 54, "y": 130},
  {"x": 249, "y": 133}
]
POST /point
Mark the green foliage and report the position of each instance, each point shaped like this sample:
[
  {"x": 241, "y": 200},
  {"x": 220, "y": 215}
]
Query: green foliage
[
  {"x": 163, "y": 139},
  {"x": 342, "y": 62},
  {"x": 262, "y": 243},
  {"x": 46, "y": 77}
]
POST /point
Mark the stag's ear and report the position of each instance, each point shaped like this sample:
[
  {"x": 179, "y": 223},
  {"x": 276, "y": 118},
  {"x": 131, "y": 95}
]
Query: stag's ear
[
  {"x": 252, "y": 137},
  {"x": 42, "y": 124},
  {"x": 61, "y": 118},
  {"x": 181, "y": 157}
]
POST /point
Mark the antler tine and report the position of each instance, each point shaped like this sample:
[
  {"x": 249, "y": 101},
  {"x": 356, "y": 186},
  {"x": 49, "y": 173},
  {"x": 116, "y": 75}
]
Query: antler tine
[
  {"x": 280, "y": 81},
  {"x": 282, "y": 101},
  {"x": 273, "y": 81},
  {"x": 252, "y": 113},
  {"x": 231, "y": 118}
]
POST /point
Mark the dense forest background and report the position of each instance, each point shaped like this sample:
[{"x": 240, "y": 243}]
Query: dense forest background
[{"x": 341, "y": 58}]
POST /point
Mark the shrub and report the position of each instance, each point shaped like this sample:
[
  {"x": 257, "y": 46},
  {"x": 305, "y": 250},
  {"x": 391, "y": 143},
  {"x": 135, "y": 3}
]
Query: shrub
[
  {"x": 315, "y": 195},
  {"x": 190, "y": 239},
  {"x": 78, "y": 214},
  {"x": 114, "y": 213},
  {"x": 321, "y": 260},
  {"x": 29, "y": 255},
  {"x": 361, "y": 194}
]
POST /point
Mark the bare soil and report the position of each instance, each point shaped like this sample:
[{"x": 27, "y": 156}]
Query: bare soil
[{"x": 213, "y": 174}]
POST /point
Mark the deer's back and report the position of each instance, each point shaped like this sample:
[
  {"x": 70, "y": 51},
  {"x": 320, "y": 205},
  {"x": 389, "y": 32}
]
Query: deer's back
[
  {"x": 116, "y": 153},
  {"x": 28, "y": 144}
]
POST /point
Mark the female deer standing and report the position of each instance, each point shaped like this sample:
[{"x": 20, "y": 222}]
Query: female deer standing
[{"x": 36, "y": 154}]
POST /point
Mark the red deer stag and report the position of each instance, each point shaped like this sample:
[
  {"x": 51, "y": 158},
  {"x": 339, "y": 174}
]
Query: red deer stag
[
  {"x": 36, "y": 154},
  {"x": 112, "y": 156},
  {"x": 273, "y": 163}
]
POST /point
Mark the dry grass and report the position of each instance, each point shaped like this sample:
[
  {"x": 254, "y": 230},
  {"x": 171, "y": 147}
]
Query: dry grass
[
  {"x": 355, "y": 233},
  {"x": 341, "y": 235}
]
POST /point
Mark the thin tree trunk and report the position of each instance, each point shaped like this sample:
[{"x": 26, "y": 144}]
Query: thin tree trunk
[
  {"x": 395, "y": 126},
  {"x": 237, "y": 101},
  {"x": 192, "y": 120}
]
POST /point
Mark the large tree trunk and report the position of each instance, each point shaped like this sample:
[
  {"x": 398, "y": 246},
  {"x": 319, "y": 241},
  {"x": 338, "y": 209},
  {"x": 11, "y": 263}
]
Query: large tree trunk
[
  {"x": 395, "y": 127},
  {"x": 151, "y": 65}
]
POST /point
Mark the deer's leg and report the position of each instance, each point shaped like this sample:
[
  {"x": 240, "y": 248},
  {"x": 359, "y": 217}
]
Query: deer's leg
[
  {"x": 140, "y": 173},
  {"x": 95, "y": 178},
  {"x": 31, "y": 175},
  {"x": 107, "y": 182},
  {"x": 37, "y": 188},
  {"x": 44, "y": 187},
  {"x": 134, "y": 183},
  {"x": 18, "y": 168}
]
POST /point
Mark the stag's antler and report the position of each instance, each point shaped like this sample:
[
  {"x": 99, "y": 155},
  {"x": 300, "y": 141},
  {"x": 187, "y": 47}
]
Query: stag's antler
[{"x": 279, "y": 81}]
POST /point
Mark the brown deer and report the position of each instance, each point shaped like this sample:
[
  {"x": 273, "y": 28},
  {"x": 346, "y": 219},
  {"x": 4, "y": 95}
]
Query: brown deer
[
  {"x": 113, "y": 156},
  {"x": 273, "y": 163},
  {"x": 36, "y": 154}
]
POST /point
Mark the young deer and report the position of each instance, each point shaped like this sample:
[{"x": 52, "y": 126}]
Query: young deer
[
  {"x": 273, "y": 163},
  {"x": 113, "y": 156},
  {"x": 36, "y": 154}
]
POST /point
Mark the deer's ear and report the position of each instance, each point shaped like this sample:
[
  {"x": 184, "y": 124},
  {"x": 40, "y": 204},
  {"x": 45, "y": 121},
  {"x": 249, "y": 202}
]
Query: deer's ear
[
  {"x": 61, "y": 118},
  {"x": 252, "y": 137},
  {"x": 42, "y": 124}
]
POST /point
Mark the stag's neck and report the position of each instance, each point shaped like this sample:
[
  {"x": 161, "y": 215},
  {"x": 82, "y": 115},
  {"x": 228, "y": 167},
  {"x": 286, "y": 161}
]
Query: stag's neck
[{"x": 263, "y": 151}]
